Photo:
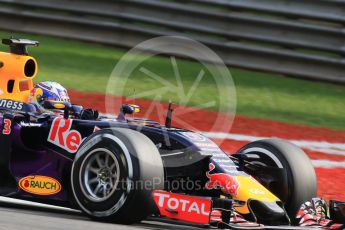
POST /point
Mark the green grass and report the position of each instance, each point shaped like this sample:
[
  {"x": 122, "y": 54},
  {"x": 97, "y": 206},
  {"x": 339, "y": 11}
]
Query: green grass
[{"x": 87, "y": 67}]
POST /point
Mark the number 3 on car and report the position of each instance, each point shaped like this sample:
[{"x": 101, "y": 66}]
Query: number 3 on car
[{"x": 7, "y": 127}]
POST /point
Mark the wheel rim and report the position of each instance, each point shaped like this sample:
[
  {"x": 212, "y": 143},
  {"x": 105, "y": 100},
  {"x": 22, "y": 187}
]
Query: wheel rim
[{"x": 100, "y": 175}]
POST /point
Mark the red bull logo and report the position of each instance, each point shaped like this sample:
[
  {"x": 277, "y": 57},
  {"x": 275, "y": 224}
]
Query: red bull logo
[{"x": 227, "y": 183}]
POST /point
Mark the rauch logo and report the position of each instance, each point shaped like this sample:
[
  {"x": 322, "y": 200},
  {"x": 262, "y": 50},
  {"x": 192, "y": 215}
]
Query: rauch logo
[{"x": 40, "y": 185}]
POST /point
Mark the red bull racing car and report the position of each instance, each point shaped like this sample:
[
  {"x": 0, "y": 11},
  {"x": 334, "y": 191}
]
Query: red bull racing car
[{"x": 126, "y": 170}]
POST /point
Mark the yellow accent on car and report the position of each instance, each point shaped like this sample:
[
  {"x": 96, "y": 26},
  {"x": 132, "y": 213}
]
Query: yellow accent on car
[
  {"x": 251, "y": 189},
  {"x": 59, "y": 106},
  {"x": 38, "y": 93},
  {"x": 135, "y": 107}
]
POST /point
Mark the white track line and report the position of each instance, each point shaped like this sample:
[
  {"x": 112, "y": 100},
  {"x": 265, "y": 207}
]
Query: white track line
[
  {"x": 36, "y": 204},
  {"x": 328, "y": 164},
  {"x": 320, "y": 146}
]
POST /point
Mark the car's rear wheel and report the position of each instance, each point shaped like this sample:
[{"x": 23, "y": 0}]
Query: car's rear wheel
[
  {"x": 114, "y": 174},
  {"x": 297, "y": 182}
]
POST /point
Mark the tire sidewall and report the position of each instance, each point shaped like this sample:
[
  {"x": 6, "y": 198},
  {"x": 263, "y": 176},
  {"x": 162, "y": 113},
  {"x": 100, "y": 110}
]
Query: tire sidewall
[
  {"x": 300, "y": 174},
  {"x": 118, "y": 199}
]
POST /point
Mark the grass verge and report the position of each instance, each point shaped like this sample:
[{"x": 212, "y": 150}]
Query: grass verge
[{"x": 87, "y": 67}]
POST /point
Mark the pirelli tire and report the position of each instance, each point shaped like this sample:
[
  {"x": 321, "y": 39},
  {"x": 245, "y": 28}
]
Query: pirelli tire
[
  {"x": 128, "y": 167},
  {"x": 299, "y": 183}
]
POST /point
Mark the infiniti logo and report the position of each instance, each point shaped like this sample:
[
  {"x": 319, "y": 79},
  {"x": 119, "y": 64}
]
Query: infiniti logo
[
  {"x": 8, "y": 104},
  {"x": 257, "y": 191}
]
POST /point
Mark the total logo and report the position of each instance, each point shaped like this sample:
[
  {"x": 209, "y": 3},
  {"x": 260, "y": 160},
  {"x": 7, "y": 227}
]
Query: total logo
[
  {"x": 181, "y": 207},
  {"x": 61, "y": 135},
  {"x": 40, "y": 185}
]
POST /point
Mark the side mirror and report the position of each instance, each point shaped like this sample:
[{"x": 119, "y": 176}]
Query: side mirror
[
  {"x": 127, "y": 109},
  {"x": 130, "y": 109}
]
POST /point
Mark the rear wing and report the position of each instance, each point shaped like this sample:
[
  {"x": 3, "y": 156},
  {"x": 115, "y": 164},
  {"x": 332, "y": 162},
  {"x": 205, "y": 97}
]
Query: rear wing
[{"x": 19, "y": 46}]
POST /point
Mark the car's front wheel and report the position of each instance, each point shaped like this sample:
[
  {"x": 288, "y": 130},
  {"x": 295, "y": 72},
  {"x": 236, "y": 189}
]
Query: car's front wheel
[{"x": 296, "y": 182}]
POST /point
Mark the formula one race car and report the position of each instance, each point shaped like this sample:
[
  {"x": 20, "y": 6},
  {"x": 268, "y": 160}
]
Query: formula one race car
[{"x": 126, "y": 170}]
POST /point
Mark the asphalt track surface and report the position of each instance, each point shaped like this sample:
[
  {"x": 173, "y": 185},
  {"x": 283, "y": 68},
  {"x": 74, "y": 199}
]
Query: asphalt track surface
[{"x": 15, "y": 214}]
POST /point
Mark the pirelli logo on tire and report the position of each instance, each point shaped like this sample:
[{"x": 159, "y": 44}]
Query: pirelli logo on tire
[{"x": 40, "y": 185}]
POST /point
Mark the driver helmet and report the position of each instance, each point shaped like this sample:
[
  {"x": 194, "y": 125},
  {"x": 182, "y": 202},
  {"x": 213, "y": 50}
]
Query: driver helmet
[{"x": 49, "y": 91}]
